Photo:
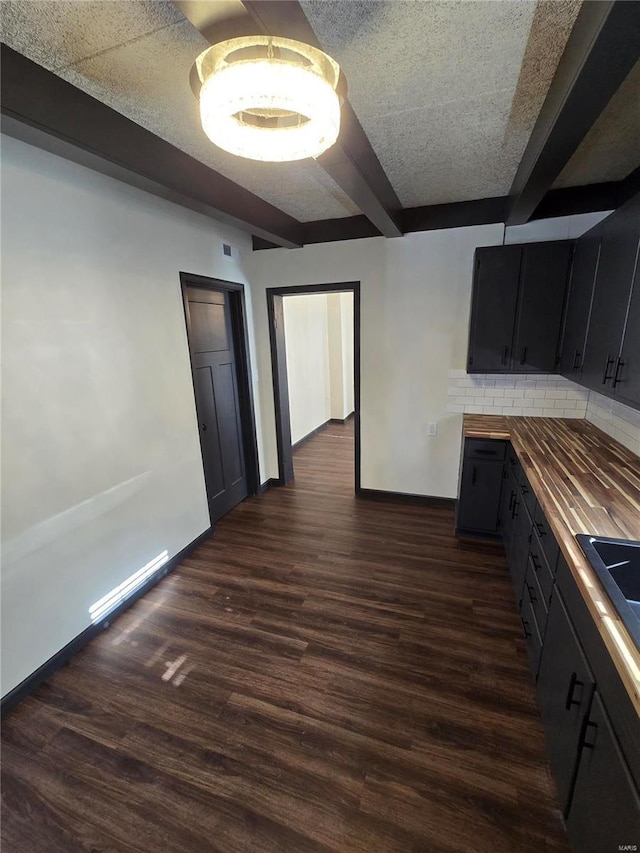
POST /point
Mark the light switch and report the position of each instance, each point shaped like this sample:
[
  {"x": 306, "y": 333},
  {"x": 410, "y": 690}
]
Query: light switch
[{"x": 432, "y": 429}]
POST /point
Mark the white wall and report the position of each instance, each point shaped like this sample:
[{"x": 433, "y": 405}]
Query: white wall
[
  {"x": 346, "y": 322},
  {"x": 306, "y": 338},
  {"x": 319, "y": 346},
  {"x": 415, "y": 302},
  {"x": 557, "y": 228},
  {"x": 101, "y": 466}
]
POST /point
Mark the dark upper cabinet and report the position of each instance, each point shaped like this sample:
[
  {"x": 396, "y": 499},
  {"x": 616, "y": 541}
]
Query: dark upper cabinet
[
  {"x": 493, "y": 309},
  {"x": 581, "y": 284},
  {"x": 614, "y": 278},
  {"x": 626, "y": 381},
  {"x": 605, "y": 810},
  {"x": 543, "y": 284},
  {"x": 516, "y": 312}
]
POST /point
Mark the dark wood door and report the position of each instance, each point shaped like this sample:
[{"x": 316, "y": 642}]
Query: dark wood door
[
  {"x": 626, "y": 379},
  {"x": 564, "y": 691},
  {"x": 479, "y": 503},
  {"x": 493, "y": 309},
  {"x": 605, "y": 809},
  {"x": 583, "y": 278},
  {"x": 544, "y": 276},
  {"x": 618, "y": 254},
  {"x": 216, "y": 387}
]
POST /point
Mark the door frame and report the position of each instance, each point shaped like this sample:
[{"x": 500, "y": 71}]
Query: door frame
[
  {"x": 239, "y": 331},
  {"x": 275, "y": 311}
]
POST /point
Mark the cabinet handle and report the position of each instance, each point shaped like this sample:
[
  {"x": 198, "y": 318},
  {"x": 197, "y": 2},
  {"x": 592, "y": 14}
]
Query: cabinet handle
[
  {"x": 584, "y": 743},
  {"x": 482, "y": 452},
  {"x": 606, "y": 377},
  {"x": 573, "y": 683},
  {"x": 616, "y": 375},
  {"x": 576, "y": 361},
  {"x": 505, "y": 355},
  {"x": 525, "y": 628},
  {"x": 513, "y": 494},
  {"x": 524, "y": 490},
  {"x": 203, "y": 427},
  {"x": 532, "y": 594},
  {"x": 540, "y": 529},
  {"x": 535, "y": 562},
  {"x": 514, "y": 511},
  {"x": 524, "y": 355},
  {"x": 474, "y": 475}
]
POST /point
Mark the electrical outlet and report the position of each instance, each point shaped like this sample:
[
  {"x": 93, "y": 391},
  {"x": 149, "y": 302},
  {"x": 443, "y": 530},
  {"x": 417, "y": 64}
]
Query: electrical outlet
[{"x": 432, "y": 429}]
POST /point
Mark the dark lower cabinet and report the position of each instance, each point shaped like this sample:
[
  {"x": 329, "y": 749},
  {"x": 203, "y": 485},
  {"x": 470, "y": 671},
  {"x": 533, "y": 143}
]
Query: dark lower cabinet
[
  {"x": 604, "y": 814},
  {"x": 564, "y": 691},
  {"x": 478, "y": 509}
]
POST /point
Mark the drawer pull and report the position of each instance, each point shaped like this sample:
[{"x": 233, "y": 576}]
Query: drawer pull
[
  {"x": 584, "y": 742},
  {"x": 535, "y": 562},
  {"x": 532, "y": 594},
  {"x": 481, "y": 452},
  {"x": 573, "y": 683},
  {"x": 540, "y": 529},
  {"x": 525, "y": 628},
  {"x": 607, "y": 376}
]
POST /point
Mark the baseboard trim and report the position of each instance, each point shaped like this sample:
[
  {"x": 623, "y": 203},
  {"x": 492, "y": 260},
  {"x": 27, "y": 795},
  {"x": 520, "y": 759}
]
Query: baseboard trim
[
  {"x": 342, "y": 420},
  {"x": 22, "y": 690},
  {"x": 405, "y": 498},
  {"x": 310, "y": 435}
]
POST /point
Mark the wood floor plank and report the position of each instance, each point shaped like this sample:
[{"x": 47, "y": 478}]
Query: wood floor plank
[{"x": 326, "y": 674}]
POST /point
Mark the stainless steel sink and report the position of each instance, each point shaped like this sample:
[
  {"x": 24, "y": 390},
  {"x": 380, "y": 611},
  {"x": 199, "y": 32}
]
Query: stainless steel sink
[{"x": 617, "y": 564}]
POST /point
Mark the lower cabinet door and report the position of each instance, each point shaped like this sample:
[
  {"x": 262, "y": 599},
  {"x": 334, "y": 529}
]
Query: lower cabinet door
[
  {"x": 605, "y": 809},
  {"x": 480, "y": 489},
  {"x": 564, "y": 690},
  {"x": 518, "y": 553}
]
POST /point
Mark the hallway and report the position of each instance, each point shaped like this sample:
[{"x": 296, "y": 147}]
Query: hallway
[{"x": 325, "y": 674}]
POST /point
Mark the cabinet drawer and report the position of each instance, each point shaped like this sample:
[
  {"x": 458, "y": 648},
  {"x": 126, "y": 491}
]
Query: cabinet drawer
[
  {"x": 533, "y": 594},
  {"x": 547, "y": 539},
  {"x": 531, "y": 635},
  {"x": 485, "y": 448},
  {"x": 540, "y": 566},
  {"x": 527, "y": 494}
]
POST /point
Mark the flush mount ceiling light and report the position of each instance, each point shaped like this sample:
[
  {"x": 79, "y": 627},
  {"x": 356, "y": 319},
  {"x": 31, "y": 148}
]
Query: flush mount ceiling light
[{"x": 269, "y": 98}]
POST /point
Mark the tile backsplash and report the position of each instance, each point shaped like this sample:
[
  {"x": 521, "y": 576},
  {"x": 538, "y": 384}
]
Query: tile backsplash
[
  {"x": 619, "y": 421},
  {"x": 539, "y": 395},
  {"x": 533, "y": 395}
]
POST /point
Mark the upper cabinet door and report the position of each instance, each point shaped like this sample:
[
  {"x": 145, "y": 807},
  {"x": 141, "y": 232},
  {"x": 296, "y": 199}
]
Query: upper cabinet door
[
  {"x": 583, "y": 278},
  {"x": 544, "y": 275},
  {"x": 626, "y": 377},
  {"x": 618, "y": 255},
  {"x": 493, "y": 311}
]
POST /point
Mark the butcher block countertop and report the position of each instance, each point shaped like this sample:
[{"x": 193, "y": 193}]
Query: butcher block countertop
[{"x": 586, "y": 482}]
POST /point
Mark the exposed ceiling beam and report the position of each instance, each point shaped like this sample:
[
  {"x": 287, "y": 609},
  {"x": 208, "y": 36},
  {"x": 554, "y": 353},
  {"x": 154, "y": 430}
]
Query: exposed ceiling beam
[
  {"x": 44, "y": 110},
  {"x": 351, "y": 162},
  {"x": 603, "y": 47},
  {"x": 593, "y": 198}
]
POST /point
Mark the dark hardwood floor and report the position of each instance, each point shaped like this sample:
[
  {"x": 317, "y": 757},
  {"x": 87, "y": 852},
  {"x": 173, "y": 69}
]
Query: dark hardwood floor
[{"x": 325, "y": 674}]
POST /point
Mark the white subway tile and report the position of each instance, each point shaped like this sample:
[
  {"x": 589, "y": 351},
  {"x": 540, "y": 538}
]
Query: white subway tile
[
  {"x": 514, "y": 392},
  {"x": 455, "y": 409},
  {"x": 534, "y": 394},
  {"x": 473, "y": 410},
  {"x": 530, "y": 413},
  {"x": 564, "y": 404},
  {"x": 557, "y": 394},
  {"x": 506, "y": 402},
  {"x": 539, "y": 404},
  {"x": 550, "y": 413},
  {"x": 517, "y": 410}
]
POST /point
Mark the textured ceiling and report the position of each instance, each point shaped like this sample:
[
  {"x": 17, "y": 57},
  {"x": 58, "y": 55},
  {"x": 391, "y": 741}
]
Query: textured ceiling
[
  {"x": 611, "y": 149},
  {"x": 136, "y": 58},
  {"x": 447, "y": 92}
]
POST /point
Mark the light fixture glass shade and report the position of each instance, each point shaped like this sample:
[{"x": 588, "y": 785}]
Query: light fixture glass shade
[{"x": 269, "y": 98}]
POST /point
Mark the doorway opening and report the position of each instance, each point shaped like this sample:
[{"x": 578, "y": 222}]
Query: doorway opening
[
  {"x": 283, "y": 415},
  {"x": 215, "y": 317}
]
